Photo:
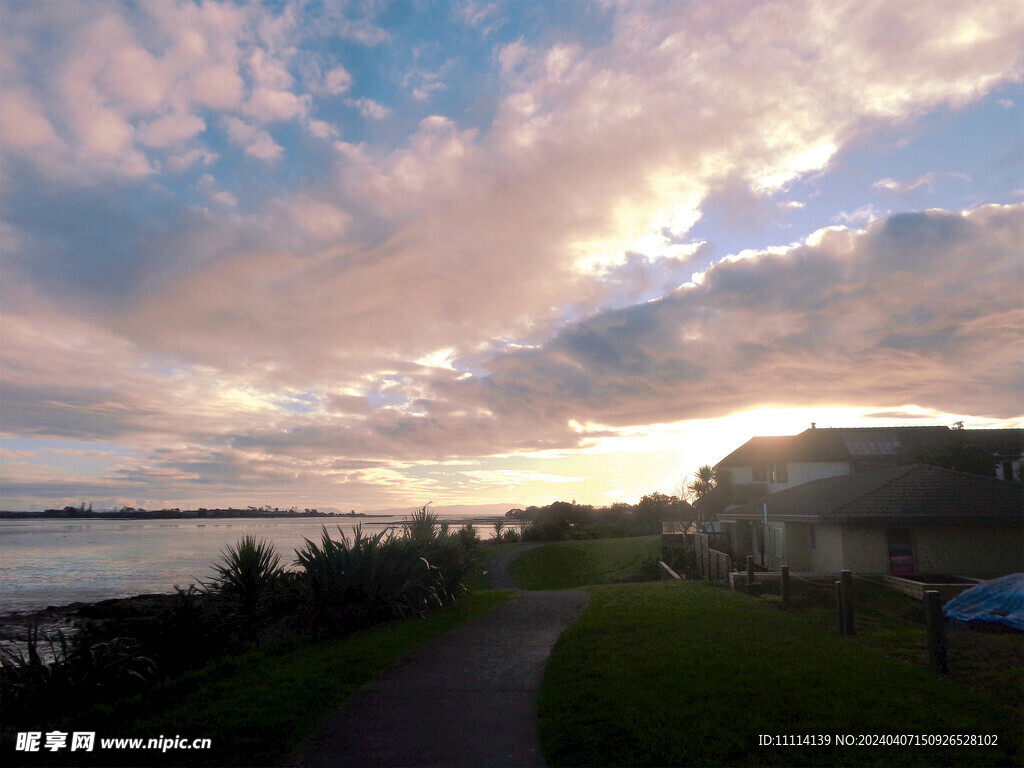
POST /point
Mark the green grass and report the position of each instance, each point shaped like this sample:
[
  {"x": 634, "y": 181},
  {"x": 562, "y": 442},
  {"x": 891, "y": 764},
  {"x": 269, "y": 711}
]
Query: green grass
[
  {"x": 570, "y": 564},
  {"x": 681, "y": 673},
  {"x": 256, "y": 708},
  {"x": 893, "y": 623}
]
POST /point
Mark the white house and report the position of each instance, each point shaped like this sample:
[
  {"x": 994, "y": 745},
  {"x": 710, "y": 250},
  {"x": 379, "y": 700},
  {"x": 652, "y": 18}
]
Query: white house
[{"x": 896, "y": 520}]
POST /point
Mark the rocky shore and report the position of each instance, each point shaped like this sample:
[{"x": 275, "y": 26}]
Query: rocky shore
[{"x": 15, "y": 625}]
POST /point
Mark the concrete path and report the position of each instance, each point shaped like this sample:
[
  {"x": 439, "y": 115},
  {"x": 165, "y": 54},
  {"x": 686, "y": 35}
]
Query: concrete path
[
  {"x": 499, "y": 574},
  {"x": 467, "y": 698}
]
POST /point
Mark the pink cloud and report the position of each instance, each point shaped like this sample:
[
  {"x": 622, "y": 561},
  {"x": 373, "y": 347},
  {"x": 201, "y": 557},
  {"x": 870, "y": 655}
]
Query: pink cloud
[{"x": 172, "y": 129}]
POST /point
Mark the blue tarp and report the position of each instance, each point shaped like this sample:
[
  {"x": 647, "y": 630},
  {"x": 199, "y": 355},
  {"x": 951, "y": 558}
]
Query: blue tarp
[{"x": 1000, "y": 601}]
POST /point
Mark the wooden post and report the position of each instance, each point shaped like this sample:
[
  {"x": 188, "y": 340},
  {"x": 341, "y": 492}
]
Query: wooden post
[
  {"x": 847, "y": 578},
  {"x": 936, "y": 632},
  {"x": 750, "y": 570},
  {"x": 785, "y": 587},
  {"x": 839, "y": 608}
]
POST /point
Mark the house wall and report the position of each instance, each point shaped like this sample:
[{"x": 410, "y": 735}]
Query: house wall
[
  {"x": 865, "y": 549},
  {"x": 970, "y": 550},
  {"x": 827, "y": 553},
  {"x": 949, "y": 549},
  {"x": 741, "y": 475},
  {"x": 804, "y": 472},
  {"x": 798, "y": 546},
  {"x": 797, "y": 473}
]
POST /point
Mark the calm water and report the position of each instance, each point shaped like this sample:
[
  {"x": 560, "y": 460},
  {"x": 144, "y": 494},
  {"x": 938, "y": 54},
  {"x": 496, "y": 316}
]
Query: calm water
[{"x": 56, "y": 562}]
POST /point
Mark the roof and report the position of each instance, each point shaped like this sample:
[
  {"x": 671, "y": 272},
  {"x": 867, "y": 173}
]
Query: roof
[
  {"x": 1000, "y": 442},
  {"x": 916, "y": 493},
  {"x": 869, "y": 447}
]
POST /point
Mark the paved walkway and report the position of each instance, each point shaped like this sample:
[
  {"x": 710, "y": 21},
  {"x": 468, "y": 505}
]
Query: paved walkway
[
  {"x": 467, "y": 698},
  {"x": 499, "y": 573}
]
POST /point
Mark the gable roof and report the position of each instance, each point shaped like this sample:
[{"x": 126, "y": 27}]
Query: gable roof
[
  {"x": 917, "y": 493},
  {"x": 869, "y": 447}
]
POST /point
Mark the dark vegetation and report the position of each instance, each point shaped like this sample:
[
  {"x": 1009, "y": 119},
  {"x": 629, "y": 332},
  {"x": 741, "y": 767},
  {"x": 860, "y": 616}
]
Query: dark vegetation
[
  {"x": 257, "y": 706},
  {"x": 339, "y": 585},
  {"x": 134, "y": 513},
  {"x": 563, "y": 520}
]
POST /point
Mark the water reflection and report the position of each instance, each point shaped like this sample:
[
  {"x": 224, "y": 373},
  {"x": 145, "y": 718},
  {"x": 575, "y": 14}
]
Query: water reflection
[{"x": 46, "y": 562}]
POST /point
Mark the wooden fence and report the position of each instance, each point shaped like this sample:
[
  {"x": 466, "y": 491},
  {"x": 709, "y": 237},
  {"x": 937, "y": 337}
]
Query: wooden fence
[{"x": 714, "y": 566}]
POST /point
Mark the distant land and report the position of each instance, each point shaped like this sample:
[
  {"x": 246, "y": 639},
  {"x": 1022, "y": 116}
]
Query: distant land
[{"x": 455, "y": 511}]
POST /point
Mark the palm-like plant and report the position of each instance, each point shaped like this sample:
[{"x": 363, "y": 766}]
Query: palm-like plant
[
  {"x": 352, "y": 582},
  {"x": 422, "y": 525},
  {"x": 246, "y": 577},
  {"x": 705, "y": 479}
]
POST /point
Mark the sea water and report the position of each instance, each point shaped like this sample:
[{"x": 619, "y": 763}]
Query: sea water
[{"x": 57, "y": 562}]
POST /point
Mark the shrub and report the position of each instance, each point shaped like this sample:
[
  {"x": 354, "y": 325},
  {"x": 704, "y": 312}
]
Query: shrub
[
  {"x": 73, "y": 671},
  {"x": 247, "y": 576},
  {"x": 422, "y": 526},
  {"x": 352, "y": 583}
]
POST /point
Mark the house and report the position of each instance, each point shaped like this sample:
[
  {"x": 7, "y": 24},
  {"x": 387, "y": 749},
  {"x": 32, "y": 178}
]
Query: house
[
  {"x": 768, "y": 465},
  {"x": 914, "y": 518}
]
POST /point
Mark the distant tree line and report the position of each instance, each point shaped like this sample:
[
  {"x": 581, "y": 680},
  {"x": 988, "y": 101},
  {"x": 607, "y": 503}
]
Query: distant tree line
[
  {"x": 138, "y": 513},
  {"x": 563, "y": 520}
]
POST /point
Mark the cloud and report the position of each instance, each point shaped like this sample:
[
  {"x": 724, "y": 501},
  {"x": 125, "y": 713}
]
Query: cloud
[
  {"x": 369, "y": 108},
  {"x": 172, "y": 129},
  {"x": 255, "y": 141},
  {"x": 483, "y": 16},
  {"x": 24, "y": 124},
  {"x": 123, "y": 86},
  {"x": 906, "y": 186},
  {"x": 579, "y": 195},
  {"x": 920, "y": 308},
  {"x": 337, "y": 81},
  {"x": 541, "y": 248}
]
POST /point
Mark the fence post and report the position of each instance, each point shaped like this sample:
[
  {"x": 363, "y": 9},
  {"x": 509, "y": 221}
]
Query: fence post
[
  {"x": 750, "y": 570},
  {"x": 839, "y": 608},
  {"x": 785, "y": 587},
  {"x": 936, "y": 633},
  {"x": 848, "y": 625}
]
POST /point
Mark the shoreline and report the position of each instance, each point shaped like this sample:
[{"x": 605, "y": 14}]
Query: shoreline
[{"x": 14, "y": 625}]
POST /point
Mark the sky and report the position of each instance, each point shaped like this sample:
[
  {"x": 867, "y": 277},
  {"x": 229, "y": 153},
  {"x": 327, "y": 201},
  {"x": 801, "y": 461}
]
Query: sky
[{"x": 361, "y": 255}]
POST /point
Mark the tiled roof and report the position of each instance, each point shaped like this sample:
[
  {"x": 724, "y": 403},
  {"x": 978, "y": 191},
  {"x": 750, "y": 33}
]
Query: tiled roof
[
  {"x": 896, "y": 495},
  {"x": 869, "y": 446},
  {"x": 1001, "y": 442},
  {"x": 810, "y": 445}
]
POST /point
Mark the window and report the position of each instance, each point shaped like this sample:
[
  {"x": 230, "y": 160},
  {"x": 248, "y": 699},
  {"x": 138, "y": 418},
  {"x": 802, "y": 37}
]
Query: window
[
  {"x": 810, "y": 537},
  {"x": 771, "y": 473}
]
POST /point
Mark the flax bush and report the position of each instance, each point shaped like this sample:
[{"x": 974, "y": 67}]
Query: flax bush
[{"x": 247, "y": 577}]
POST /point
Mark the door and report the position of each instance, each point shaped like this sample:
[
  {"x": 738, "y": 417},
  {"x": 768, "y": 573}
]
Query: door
[{"x": 901, "y": 552}]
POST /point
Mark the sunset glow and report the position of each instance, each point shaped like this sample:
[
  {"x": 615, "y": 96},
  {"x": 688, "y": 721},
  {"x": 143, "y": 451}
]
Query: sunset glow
[{"x": 362, "y": 256}]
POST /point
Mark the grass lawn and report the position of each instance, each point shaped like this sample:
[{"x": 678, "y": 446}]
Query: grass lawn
[
  {"x": 991, "y": 663},
  {"x": 681, "y": 673},
  {"x": 570, "y": 564},
  {"x": 257, "y": 707}
]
